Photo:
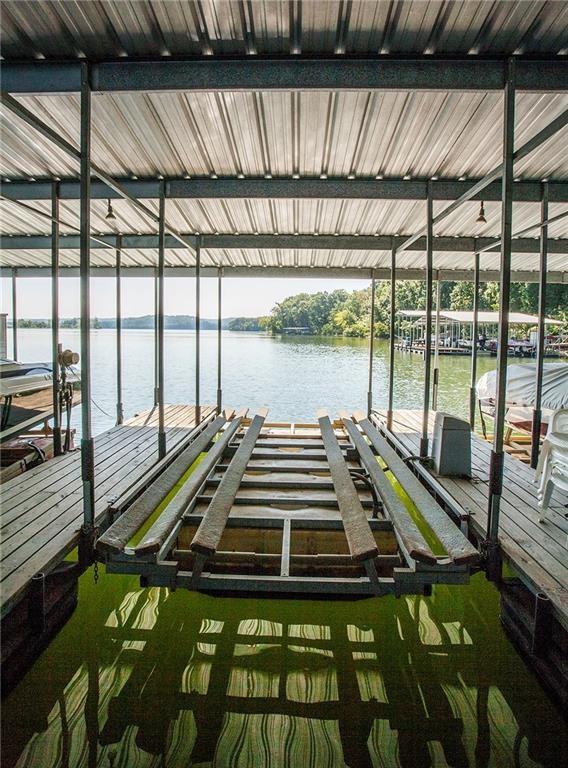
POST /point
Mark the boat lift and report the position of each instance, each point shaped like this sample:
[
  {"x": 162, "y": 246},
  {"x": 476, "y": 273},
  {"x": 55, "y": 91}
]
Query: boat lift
[{"x": 288, "y": 509}]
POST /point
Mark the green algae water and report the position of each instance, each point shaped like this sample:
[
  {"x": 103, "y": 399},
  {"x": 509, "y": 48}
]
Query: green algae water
[{"x": 151, "y": 678}]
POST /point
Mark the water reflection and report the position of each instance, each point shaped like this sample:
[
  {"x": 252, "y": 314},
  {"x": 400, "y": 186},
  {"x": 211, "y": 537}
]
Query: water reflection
[{"x": 153, "y": 678}]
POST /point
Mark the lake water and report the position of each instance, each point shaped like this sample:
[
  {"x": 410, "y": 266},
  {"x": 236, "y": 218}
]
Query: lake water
[
  {"x": 148, "y": 678},
  {"x": 294, "y": 376}
]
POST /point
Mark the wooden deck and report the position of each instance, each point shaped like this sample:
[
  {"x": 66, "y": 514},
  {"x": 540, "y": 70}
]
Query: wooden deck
[
  {"x": 537, "y": 551},
  {"x": 41, "y": 510}
]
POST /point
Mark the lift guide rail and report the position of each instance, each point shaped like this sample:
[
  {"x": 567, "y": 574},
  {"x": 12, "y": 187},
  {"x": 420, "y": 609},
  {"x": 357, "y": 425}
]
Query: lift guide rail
[{"x": 283, "y": 508}]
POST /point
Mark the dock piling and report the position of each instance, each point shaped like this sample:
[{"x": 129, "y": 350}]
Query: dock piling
[
  {"x": 371, "y": 346},
  {"x": 219, "y": 339},
  {"x": 160, "y": 319},
  {"x": 537, "y": 412},
  {"x": 87, "y": 442},
  {"x": 119, "y": 405},
  {"x": 392, "y": 321},
  {"x": 541, "y": 623},
  {"x": 428, "y": 331},
  {"x": 197, "y": 328},
  {"x": 474, "y": 332},
  {"x": 57, "y": 448}
]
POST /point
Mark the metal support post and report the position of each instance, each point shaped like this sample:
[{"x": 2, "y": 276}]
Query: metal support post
[
  {"x": 392, "y": 321},
  {"x": 474, "y": 334},
  {"x": 57, "y": 449},
  {"x": 197, "y": 328},
  {"x": 537, "y": 413},
  {"x": 119, "y": 406},
  {"x": 14, "y": 316},
  {"x": 156, "y": 300},
  {"x": 219, "y": 340},
  {"x": 87, "y": 442},
  {"x": 497, "y": 454},
  {"x": 436, "y": 372},
  {"x": 371, "y": 347},
  {"x": 428, "y": 344},
  {"x": 160, "y": 322}
]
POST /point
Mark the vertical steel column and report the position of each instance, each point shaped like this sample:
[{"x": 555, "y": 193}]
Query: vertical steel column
[
  {"x": 474, "y": 334},
  {"x": 497, "y": 455},
  {"x": 428, "y": 345},
  {"x": 392, "y": 321},
  {"x": 119, "y": 406},
  {"x": 161, "y": 322},
  {"x": 371, "y": 346},
  {"x": 435, "y": 383},
  {"x": 197, "y": 327},
  {"x": 55, "y": 316},
  {"x": 537, "y": 413},
  {"x": 14, "y": 316},
  {"x": 219, "y": 340},
  {"x": 156, "y": 301},
  {"x": 87, "y": 442}
]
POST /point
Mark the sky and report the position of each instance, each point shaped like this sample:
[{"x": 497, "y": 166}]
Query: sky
[{"x": 242, "y": 297}]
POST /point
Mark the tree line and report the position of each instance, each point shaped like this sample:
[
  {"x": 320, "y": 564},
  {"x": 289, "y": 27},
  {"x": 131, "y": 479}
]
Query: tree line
[{"x": 347, "y": 313}]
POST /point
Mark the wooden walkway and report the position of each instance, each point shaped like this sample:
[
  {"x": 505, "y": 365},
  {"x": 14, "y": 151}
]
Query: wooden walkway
[
  {"x": 41, "y": 510},
  {"x": 537, "y": 551}
]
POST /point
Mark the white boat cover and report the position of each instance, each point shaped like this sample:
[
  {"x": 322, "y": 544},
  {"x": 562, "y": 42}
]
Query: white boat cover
[{"x": 521, "y": 385}]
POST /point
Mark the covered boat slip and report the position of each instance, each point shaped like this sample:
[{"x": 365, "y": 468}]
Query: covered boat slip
[
  {"x": 42, "y": 509},
  {"x": 345, "y": 140},
  {"x": 291, "y": 509},
  {"x": 537, "y": 552}
]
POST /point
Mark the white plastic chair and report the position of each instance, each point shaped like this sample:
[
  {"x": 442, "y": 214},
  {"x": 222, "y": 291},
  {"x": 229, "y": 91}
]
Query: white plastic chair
[{"x": 552, "y": 469}]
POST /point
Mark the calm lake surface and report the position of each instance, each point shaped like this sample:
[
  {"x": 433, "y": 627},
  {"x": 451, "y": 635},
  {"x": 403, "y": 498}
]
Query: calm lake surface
[
  {"x": 150, "y": 678},
  {"x": 293, "y": 375}
]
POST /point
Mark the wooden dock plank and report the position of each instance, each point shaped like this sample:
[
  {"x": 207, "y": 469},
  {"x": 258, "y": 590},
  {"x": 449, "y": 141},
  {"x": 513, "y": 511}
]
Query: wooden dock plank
[
  {"x": 56, "y": 515},
  {"x": 134, "y": 447},
  {"x": 48, "y": 500},
  {"x": 538, "y": 551}
]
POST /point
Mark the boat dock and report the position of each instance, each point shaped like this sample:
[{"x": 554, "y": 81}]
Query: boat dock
[
  {"x": 420, "y": 349},
  {"x": 537, "y": 552},
  {"x": 42, "y": 509}
]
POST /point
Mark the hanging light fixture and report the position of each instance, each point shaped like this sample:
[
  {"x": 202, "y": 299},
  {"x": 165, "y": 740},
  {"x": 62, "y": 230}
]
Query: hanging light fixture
[
  {"x": 481, "y": 218},
  {"x": 110, "y": 215}
]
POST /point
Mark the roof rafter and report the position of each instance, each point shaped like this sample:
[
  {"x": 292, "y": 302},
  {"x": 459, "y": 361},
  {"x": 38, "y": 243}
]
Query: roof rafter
[
  {"x": 282, "y": 188},
  {"x": 302, "y": 242},
  {"x": 428, "y": 73}
]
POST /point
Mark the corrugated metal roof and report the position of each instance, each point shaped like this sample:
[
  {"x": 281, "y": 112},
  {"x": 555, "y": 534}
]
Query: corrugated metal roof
[
  {"x": 138, "y": 28},
  {"x": 286, "y": 258},
  {"x": 268, "y": 217},
  {"x": 281, "y": 134}
]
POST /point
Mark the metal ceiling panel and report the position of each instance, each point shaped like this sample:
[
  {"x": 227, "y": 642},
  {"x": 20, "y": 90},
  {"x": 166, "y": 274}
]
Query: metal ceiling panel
[
  {"x": 109, "y": 29},
  {"x": 284, "y": 258},
  {"x": 267, "y": 217},
  {"x": 286, "y": 134}
]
